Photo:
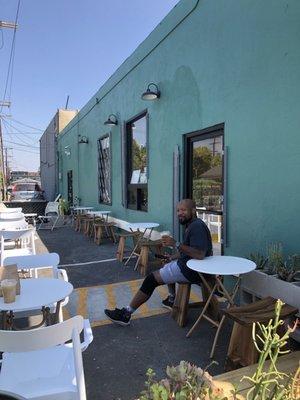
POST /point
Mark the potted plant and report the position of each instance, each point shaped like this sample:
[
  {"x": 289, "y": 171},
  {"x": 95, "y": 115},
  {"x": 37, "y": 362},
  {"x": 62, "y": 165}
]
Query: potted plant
[
  {"x": 64, "y": 206},
  {"x": 188, "y": 382}
]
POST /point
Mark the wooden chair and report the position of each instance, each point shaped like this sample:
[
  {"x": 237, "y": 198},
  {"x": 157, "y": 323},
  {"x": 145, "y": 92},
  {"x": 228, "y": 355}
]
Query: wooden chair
[
  {"x": 241, "y": 350},
  {"x": 145, "y": 245},
  {"x": 102, "y": 227},
  {"x": 122, "y": 241},
  {"x": 87, "y": 224}
]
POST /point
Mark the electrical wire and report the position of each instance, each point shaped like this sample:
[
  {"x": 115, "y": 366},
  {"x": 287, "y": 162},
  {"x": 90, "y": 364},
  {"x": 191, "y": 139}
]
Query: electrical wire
[
  {"x": 27, "y": 126},
  {"x": 11, "y": 60},
  {"x": 19, "y": 144},
  {"x": 5, "y": 122}
]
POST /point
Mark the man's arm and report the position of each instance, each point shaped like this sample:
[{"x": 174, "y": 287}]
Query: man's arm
[{"x": 188, "y": 250}]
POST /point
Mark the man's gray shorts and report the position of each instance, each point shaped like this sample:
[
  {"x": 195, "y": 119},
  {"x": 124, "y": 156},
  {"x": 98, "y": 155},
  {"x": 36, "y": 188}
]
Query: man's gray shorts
[{"x": 170, "y": 273}]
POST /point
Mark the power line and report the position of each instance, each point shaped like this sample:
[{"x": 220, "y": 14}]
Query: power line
[
  {"x": 17, "y": 135},
  {"x": 23, "y": 145},
  {"x": 27, "y": 126},
  {"x": 11, "y": 57}
]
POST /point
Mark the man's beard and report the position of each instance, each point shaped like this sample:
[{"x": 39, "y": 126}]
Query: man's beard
[{"x": 184, "y": 221}]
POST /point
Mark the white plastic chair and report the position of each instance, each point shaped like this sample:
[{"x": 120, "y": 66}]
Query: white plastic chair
[
  {"x": 35, "y": 263},
  {"x": 26, "y": 237},
  {"x": 51, "y": 216},
  {"x": 11, "y": 210},
  {"x": 38, "y": 364}
]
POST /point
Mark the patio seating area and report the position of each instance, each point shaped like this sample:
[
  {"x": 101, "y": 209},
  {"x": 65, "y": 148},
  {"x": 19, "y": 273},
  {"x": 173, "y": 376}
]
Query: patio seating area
[
  {"x": 116, "y": 361},
  {"x": 84, "y": 271}
]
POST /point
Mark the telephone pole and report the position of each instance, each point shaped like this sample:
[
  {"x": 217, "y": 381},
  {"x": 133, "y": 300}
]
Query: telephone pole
[{"x": 2, "y": 166}]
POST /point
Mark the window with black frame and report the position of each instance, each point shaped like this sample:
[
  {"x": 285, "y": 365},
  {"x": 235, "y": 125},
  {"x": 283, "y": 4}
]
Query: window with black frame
[
  {"x": 137, "y": 159},
  {"x": 104, "y": 170}
]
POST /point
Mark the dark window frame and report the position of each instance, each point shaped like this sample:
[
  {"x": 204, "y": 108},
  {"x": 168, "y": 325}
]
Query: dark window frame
[
  {"x": 106, "y": 135},
  {"x": 128, "y": 158},
  {"x": 188, "y": 139}
]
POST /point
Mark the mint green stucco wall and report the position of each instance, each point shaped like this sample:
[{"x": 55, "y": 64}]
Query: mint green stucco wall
[{"x": 235, "y": 62}]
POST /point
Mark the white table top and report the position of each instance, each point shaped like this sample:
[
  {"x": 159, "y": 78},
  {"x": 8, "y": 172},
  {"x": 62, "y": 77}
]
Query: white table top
[
  {"x": 82, "y": 208},
  {"x": 222, "y": 265},
  {"x": 99, "y": 212},
  {"x": 36, "y": 293},
  {"x": 142, "y": 225},
  {"x": 31, "y": 215}
]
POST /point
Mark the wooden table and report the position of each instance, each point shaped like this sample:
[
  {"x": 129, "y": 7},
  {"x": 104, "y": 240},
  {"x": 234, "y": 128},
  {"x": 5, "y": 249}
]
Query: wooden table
[{"x": 287, "y": 363}]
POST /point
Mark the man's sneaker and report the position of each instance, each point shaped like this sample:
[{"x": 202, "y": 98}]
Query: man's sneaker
[
  {"x": 121, "y": 317},
  {"x": 167, "y": 303}
]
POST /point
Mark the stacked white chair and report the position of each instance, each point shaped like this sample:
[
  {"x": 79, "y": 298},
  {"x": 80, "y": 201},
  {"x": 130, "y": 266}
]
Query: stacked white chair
[
  {"x": 24, "y": 236},
  {"x": 39, "y": 364}
]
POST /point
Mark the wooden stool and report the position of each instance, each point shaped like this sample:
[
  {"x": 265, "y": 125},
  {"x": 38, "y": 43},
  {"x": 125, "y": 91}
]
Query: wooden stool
[
  {"x": 181, "y": 303},
  {"x": 99, "y": 227},
  {"x": 145, "y": 245},
  {"x": 87, "y": 224},
  {"x": 241, "y": 350},
  {"x": 122, "y": 241},
  {"x": 79, "y": 221}
]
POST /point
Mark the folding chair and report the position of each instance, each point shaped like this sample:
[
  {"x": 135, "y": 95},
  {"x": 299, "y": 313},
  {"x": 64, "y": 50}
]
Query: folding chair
[
  {"x": 39, "y": 364},
  {"x": 51, "y": 216}
]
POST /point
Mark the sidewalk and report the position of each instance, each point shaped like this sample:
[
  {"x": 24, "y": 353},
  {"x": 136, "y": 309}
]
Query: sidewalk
[{"x": 118, "y": 358}]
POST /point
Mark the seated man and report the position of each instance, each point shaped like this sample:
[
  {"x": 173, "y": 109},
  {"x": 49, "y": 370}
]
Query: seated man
[{"x": 197, "y": 244}]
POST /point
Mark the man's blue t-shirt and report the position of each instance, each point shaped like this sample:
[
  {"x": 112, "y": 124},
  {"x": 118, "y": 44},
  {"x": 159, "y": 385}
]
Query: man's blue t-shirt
[{"x": 196, "y": 235}]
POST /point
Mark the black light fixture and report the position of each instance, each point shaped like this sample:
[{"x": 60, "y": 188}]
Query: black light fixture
[
  {"x": 82, "y": 139},
  {"x": 111, "y": 120},
  {"x": 151, "y": 94}
]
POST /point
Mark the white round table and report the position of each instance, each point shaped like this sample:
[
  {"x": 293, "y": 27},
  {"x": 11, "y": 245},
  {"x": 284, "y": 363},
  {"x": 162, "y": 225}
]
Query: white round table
[
  {"x": 38, "y": 294},
  {"x": 222, "y": 265},
  {"x": 219, "y": 266}
]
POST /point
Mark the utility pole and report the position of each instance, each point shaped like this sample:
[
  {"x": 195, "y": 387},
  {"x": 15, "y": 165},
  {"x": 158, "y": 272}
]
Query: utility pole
[{"x": 2, "y": 166}]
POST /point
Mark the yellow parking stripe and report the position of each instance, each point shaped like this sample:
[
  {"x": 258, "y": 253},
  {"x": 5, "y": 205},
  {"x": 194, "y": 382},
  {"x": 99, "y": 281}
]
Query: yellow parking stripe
[
  {"x": 110, "y": 296},
  {"x": 82, "y": 302}
]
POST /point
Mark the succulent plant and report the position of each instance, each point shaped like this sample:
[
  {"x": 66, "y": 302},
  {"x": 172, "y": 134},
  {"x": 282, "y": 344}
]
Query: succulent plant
[
  {"x": 259, "y": 260},
  {"x": 275, "y": 257}
]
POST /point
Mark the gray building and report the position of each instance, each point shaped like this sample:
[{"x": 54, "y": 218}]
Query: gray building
[{"x": 48, "y": 158}]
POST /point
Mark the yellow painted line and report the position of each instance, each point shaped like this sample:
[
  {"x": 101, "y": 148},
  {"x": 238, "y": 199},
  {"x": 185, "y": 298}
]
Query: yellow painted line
[
  {"x": 66, "y": 314},
  {"x": 82, "y": 302},
  {"x": 134, "y": 286},
  {"x": 110, "y": 296},
  {"x": 162, "y": 291}
]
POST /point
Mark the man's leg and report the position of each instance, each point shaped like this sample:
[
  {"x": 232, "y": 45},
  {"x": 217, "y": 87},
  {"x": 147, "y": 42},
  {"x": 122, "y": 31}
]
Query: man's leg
[
  {"x": 145, "y": 292},
  {"x": 122, "y": 316},
  {"x": 169, "y": 274}
]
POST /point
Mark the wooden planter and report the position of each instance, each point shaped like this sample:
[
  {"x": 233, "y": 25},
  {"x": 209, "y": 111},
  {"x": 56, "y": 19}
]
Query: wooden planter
[{"x": 257, "y": 285}]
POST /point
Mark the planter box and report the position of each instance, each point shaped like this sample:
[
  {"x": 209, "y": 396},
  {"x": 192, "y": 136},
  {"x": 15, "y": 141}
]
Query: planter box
[{"x": 256, "y": 285}]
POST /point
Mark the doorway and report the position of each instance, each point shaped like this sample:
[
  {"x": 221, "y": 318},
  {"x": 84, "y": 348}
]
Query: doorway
[
  {"x": 70, "y": 186},
  {"x": 204, "y": 179}
]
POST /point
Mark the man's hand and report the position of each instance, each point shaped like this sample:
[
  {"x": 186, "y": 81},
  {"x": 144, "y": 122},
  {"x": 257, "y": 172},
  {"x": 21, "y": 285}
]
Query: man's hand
[{"x": 168, "y": 241}]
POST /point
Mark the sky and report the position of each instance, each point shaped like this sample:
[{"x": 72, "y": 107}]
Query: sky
[{"x": 61, "y": 48}]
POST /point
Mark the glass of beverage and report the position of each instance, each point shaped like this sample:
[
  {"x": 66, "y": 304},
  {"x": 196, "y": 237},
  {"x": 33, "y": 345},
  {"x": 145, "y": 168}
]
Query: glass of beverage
[{"x": 9, "y": 288}]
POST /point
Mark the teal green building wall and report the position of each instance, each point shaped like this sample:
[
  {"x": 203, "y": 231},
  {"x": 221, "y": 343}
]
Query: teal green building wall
[{"x": 215, "y": 61}]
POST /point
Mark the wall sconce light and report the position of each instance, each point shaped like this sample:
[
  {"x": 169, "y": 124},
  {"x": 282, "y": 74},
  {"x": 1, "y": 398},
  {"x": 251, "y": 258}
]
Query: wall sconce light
[
  {"x": 151, "y": 94},
  {"x": 111, "y": 120},
  {"x": 67, "y": 151},
  {"x": 82, "y": 139}
]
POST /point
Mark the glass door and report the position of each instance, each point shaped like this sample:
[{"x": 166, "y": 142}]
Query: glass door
[{"x": 204, "y": 179}]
